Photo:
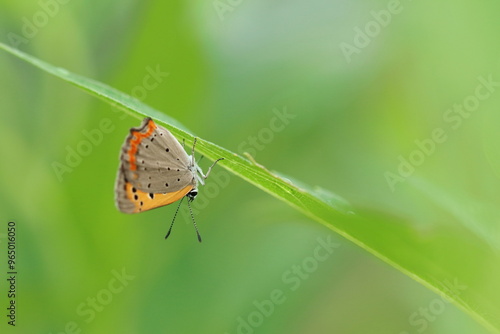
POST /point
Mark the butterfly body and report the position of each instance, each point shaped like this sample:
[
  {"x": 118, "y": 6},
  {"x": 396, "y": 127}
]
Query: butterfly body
[{"x": 154, "y": 170}]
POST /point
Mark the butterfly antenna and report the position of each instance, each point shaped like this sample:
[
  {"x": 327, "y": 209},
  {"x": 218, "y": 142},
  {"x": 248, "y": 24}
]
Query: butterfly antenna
[
  {"x": 194, "y": 144},
  {"x": 210, "y": 169},
  {"x": 192, "y": 152},
  {"x": 194, "y": 223},
  {"x": 173, "y": 220}
]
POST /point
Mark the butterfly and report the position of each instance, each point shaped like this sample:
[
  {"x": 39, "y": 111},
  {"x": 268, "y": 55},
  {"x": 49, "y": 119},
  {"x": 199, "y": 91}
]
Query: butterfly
[{"x": 155, "y": 170}]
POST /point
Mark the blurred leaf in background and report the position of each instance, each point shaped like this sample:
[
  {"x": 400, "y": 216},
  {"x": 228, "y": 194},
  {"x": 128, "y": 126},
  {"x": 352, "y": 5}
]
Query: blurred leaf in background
[{"x": 404, "y": 125}]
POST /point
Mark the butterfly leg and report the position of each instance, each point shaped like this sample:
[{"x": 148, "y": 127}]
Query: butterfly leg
[{"x": 210, "y": 168}]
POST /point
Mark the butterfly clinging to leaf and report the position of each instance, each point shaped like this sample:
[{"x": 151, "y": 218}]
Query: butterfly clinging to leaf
[{"x": 155, "y": 170}]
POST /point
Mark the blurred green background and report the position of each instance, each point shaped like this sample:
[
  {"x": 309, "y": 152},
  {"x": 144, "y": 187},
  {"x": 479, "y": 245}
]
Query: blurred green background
[{"x": 232, "y": 65}]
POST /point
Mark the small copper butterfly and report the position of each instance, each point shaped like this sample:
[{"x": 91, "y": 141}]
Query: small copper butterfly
[{"x": 155, "y": 170}]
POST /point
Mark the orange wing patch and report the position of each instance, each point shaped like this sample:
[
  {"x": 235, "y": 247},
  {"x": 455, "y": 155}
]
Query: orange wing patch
[
  {"x": 143, "y": 201},
  {"x": 137, "y": 137}
]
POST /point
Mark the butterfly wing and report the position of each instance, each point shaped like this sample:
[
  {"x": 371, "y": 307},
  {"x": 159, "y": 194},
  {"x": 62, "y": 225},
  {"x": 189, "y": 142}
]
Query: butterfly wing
[
  {"x": 132, "y": 200},
  {"x": 154, "y": 164},
  {"x": 154, "y": 161}
]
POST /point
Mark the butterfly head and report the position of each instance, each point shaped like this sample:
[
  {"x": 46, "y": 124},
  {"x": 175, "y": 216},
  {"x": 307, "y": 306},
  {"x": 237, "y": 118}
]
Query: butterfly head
[{"x": 192, "y": 194}]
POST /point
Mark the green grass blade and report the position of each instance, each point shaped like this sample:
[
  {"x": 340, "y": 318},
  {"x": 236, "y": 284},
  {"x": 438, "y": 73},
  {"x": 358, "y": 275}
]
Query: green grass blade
[{"x": 381, "y": 234}]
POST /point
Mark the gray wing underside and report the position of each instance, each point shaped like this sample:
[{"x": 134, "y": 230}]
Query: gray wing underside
[
  {"x": 121, "y": 200},
  {"x": 162, "y": 163}
]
